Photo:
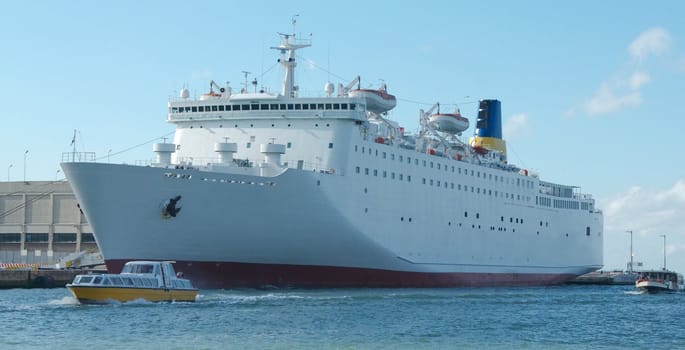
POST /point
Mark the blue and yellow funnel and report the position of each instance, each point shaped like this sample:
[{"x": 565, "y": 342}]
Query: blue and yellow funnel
[{"x": 488, "y": 133}]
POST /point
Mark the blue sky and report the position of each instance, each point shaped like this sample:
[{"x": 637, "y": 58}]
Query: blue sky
[{"x": 590, "y": 90}]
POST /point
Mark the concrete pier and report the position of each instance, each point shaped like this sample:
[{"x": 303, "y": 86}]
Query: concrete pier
[{"x": 40, "y": 278}]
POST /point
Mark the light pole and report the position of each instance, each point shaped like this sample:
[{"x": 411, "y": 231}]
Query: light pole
[
  {"x": 108, "y": 153},
  {"x": 8, "y": 172},
  {"x": 25, "y": 153},
  {"x": 664, "y": 236},
  {"x": 630, "y": 267},
  {"x": 57, "y": 173}
]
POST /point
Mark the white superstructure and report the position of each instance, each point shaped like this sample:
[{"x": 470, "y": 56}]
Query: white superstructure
[{"x": 277, "y": 189}]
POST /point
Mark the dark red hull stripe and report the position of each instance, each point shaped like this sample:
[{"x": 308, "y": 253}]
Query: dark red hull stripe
[{"x": 213, "y": 275}]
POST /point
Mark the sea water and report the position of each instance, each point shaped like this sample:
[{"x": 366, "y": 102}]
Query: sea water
[{"x": 559, "y": 317}]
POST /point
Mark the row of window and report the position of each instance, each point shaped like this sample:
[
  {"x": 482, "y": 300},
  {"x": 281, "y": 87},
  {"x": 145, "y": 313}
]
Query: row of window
[
  {"x": 265, "y": 107},
  {"x": 445, "y": 184},
  {"x": 440, "y": 166},
  {"x": 44, "y": 238}
]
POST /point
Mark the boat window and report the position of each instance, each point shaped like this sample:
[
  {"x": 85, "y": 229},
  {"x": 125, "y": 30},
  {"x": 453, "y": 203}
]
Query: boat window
[
  {"x": 245, "y": 107},
  {"x": 305, "y": 106},
  {"x": 273, "y": 106},
  {"x": 174, "y": 109},
  {"x": 352, "y": 106},
  {"x": 116, "y": 281},
  {"x": 215, "y": 108},
  {"x": 336, "y": 106},
  {"x": 254, "y": 106},
  {"x": 290, "y": 106},
  {"x": 319, "y": 106},
  {"x": 127, "y": 281},
  {"x": 86, "y": 279},
  {"x": 97, "y": 280},
  {"x": 328, "y": 106},
  {"x": 343, "y": 106},
  {"x": 236, "y": 107},
  {"x": 193, "y": 108},
  {"x": 264, "y": 106},
  {"x": 312, "y": 106},
  {"x": 221, "y": 108},
  {"x": 298, "y": 106},
  {"x": 106, "y": 282}
]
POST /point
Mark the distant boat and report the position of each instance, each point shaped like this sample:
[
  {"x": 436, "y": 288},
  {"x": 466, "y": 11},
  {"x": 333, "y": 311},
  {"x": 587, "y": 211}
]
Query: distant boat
[
  {"x": 147, "y": 280},
  {"x": 659, "y": 281}
]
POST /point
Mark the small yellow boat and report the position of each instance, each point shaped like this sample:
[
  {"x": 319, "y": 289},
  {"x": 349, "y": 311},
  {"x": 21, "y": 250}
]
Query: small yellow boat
[{"x": 148, "y": 280}]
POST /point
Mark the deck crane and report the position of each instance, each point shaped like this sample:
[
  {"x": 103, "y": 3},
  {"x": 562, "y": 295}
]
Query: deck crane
[{"x": 344, "y": 90}]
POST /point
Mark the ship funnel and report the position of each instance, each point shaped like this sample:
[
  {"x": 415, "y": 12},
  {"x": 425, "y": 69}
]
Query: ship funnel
[
  {"x": 488, "y": 134},
  {"x": 164, "y": 151},
  {"x": 272, "y": 153},
  {"x": 226, "y": 151}
]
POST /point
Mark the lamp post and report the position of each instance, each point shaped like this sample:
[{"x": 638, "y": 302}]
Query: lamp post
[
  {"x": 630, "y": 267},
  {"x": 25, "y": 153},
  {"x": 8, "y": 172},
  {"x": 57, "y": 173},
  {"x": 664, "y": 236}
]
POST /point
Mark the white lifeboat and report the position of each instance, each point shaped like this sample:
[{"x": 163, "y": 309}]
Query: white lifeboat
[
  {"x": 451, "y": 123},
  {"x": 210, "y": 95},
  {"x": 377, "y": 101}
]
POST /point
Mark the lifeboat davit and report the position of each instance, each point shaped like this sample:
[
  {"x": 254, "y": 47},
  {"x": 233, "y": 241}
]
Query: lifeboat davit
[
  {"x": 451, "y": 123},
  {"x": 377, "y": 101}
]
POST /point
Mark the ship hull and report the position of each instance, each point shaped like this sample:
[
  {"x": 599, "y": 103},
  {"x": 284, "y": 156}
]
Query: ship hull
[
  {"x": 231, "y": 275},
  {"x": 308, "y": 229}
]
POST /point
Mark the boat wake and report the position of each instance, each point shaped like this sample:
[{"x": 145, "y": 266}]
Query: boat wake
[{"x": 70, "y": 300}]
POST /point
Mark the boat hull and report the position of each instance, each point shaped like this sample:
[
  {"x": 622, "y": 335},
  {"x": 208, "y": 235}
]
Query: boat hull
[{"x": 104, "y": 295}]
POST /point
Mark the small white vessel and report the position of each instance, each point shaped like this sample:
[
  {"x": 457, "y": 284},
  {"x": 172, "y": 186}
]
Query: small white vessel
[
  {"x": 148, "y": 280},
  {"x": 659, "y": 281},
  {"x": 450, "y": 123}
]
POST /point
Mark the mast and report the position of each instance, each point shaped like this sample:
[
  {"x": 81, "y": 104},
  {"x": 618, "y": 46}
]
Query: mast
[
  {"x": 289, "y": 44},
  {"x": 630, "y": 267}
]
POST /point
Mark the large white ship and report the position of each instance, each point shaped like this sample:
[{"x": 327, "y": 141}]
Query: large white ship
[{"x": 278, "y": 189}]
